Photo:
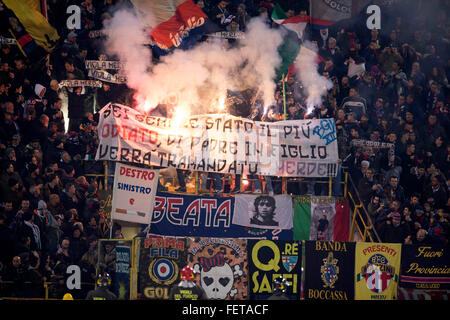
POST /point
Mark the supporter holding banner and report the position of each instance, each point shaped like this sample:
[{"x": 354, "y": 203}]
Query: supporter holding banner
[
  {"x": 80, "y": 83},
  {"x": 194, "y": 216},
  {"x": 271, "y": 212},
  {"x": 221, "y": 267},
  {"x": 329, "y": 270},
  {"x": 103, "y": 64},
  {"x": 219, "y": 143},
  {"x": 160, "y": 262},
  {"x": 267, "y": 260},
  {"x": 106, "y": 76},
  {"x": 134, "y": 193},
  {"x": 425, "y": 267},
  {"x": 377, "y": 268},
  {"x": 321, "y": 218}
]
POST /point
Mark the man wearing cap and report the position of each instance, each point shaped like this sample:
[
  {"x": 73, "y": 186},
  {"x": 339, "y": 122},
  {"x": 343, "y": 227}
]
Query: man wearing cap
[
  {"x": 394, "y": 229},
  {"x": 71, "y": 43}
]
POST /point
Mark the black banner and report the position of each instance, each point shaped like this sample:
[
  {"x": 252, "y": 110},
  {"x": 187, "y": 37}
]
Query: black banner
[
  {"x": 425, "y": 267},
  {"x": 161, "y": 260},
  {"x": 269, "y": 260},
  {"x": 329, "y": 270}
]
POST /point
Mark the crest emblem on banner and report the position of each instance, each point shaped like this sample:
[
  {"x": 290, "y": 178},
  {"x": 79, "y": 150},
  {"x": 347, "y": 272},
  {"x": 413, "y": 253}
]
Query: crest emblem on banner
[
  {"x": 329, "y": 271},
  {"x": 289, "y": 262},
  {"x": 377, "y": 273}
]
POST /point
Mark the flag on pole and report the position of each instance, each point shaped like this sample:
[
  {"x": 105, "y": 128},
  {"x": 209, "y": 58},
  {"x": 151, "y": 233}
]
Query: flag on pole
[
  {"x": 29, "y": 16},
  {"x": 179, "y": 24},
  {"x": 325, "y": 13},
  {"x": 296, "y": 23},
  {"x": 290, "y": 47}
]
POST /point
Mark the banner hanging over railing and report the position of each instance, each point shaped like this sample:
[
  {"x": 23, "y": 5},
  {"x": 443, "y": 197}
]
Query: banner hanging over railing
[{"x": 219, "y": 143}]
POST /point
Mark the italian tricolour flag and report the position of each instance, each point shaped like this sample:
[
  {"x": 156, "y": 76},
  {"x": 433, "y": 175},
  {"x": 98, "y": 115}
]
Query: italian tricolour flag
[
  {"x": 296, "y": 23},
  {"x": 289, "y": 49},
  {"x": 321, "y": 218}
]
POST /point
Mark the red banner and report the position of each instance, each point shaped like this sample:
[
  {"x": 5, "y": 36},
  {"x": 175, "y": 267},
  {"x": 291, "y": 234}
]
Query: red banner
[{"x": 170, "y": 33}]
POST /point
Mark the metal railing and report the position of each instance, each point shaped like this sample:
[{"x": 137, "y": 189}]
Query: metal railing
[
  {"x": 361, "y": 220},
  {"x": 193, "y": 186}
]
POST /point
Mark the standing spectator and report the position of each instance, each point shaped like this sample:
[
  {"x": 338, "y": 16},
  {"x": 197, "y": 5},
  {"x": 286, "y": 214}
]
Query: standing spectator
[
  {"x": 76, "y": 102},
  {"x": 436, "y": 191},
  {"x": 388, "y": 56},
  {"x": 394, "y": 191},
  {"x": 242, "y": 17},
  {"x": 55, "y": 115},
  {"x": 368, "y": 187},
  {"x": 31, "y": 230},
  {"x": 69, "y": 199}
]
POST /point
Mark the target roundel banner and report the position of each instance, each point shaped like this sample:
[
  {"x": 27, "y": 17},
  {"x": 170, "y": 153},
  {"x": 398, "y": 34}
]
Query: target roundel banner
[
  {"x": 163, "y": 271},
  {"x": 160, "y": 262}
]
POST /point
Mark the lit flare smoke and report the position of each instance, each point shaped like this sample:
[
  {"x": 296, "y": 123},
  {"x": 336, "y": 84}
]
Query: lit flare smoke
[
  {"x": 194, "y": 80},
  {"x": 316, "y": 85}
]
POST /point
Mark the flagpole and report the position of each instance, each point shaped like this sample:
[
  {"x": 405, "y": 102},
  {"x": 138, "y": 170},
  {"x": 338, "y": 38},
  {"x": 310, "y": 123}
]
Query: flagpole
[{"x": 284, "y": 98}]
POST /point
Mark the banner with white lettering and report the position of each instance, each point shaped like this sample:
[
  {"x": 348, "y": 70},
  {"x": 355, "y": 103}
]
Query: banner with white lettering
[
  {"x": 134, "y": 193},
  {"x": 228, "y": 34},
  {"x": 219, "y": 143},
  {"x": 271, "y": 212},
  {"x": 182, "y": 215},
  {"x": 122, "y": 273}
]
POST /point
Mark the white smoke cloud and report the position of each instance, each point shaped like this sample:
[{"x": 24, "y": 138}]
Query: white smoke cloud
[
  {"x": 315, "y": 85},
  {"x": 198, "y": 78}
]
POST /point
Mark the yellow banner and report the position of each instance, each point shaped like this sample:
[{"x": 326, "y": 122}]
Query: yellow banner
[
  {"x": 377, "y": 268},
  {"x": 28, "y": 12}
]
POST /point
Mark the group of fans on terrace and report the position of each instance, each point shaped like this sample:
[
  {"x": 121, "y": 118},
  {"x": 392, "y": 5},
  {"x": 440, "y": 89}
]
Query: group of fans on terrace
[{"x": 50, "y": 215}]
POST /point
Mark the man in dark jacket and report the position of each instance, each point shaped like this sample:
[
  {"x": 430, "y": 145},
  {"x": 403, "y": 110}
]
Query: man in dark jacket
[
  {"x": 367, "y": 187},
  {"x": 437, "y": 191},
  {"x": 394, "y": 230},
  {"x": 102, "y": 292},
  {"x": 76, "y": 108}
]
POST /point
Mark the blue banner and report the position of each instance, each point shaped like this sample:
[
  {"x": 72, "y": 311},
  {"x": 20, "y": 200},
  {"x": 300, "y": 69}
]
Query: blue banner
[
  {"x": 202, "y": 216},
  {"x": 122, "y": 272}
]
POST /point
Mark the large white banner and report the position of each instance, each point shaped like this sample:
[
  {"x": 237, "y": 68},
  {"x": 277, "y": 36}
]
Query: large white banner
[
  {"x": 134, "y": 193},
  {"x": 219, "y": 143},
  {"x": 264, "y": 211}
]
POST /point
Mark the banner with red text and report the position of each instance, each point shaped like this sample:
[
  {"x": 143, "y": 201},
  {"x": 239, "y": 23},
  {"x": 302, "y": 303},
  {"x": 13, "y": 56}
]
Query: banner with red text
[
  {"x": 134, "y": 193},
  {"x": 219, "y": 143},
  {"x": 160, "y": 262},
  {"x": 377, "y": 269}
]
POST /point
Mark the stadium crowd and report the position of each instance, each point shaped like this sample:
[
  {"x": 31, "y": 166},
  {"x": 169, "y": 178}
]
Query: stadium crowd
[{"x": 50, "y": 214}]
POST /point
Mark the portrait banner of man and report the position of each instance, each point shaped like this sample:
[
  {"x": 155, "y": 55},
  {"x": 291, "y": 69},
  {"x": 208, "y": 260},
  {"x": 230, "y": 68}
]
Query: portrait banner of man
[{"x": 271, "y": 212}]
